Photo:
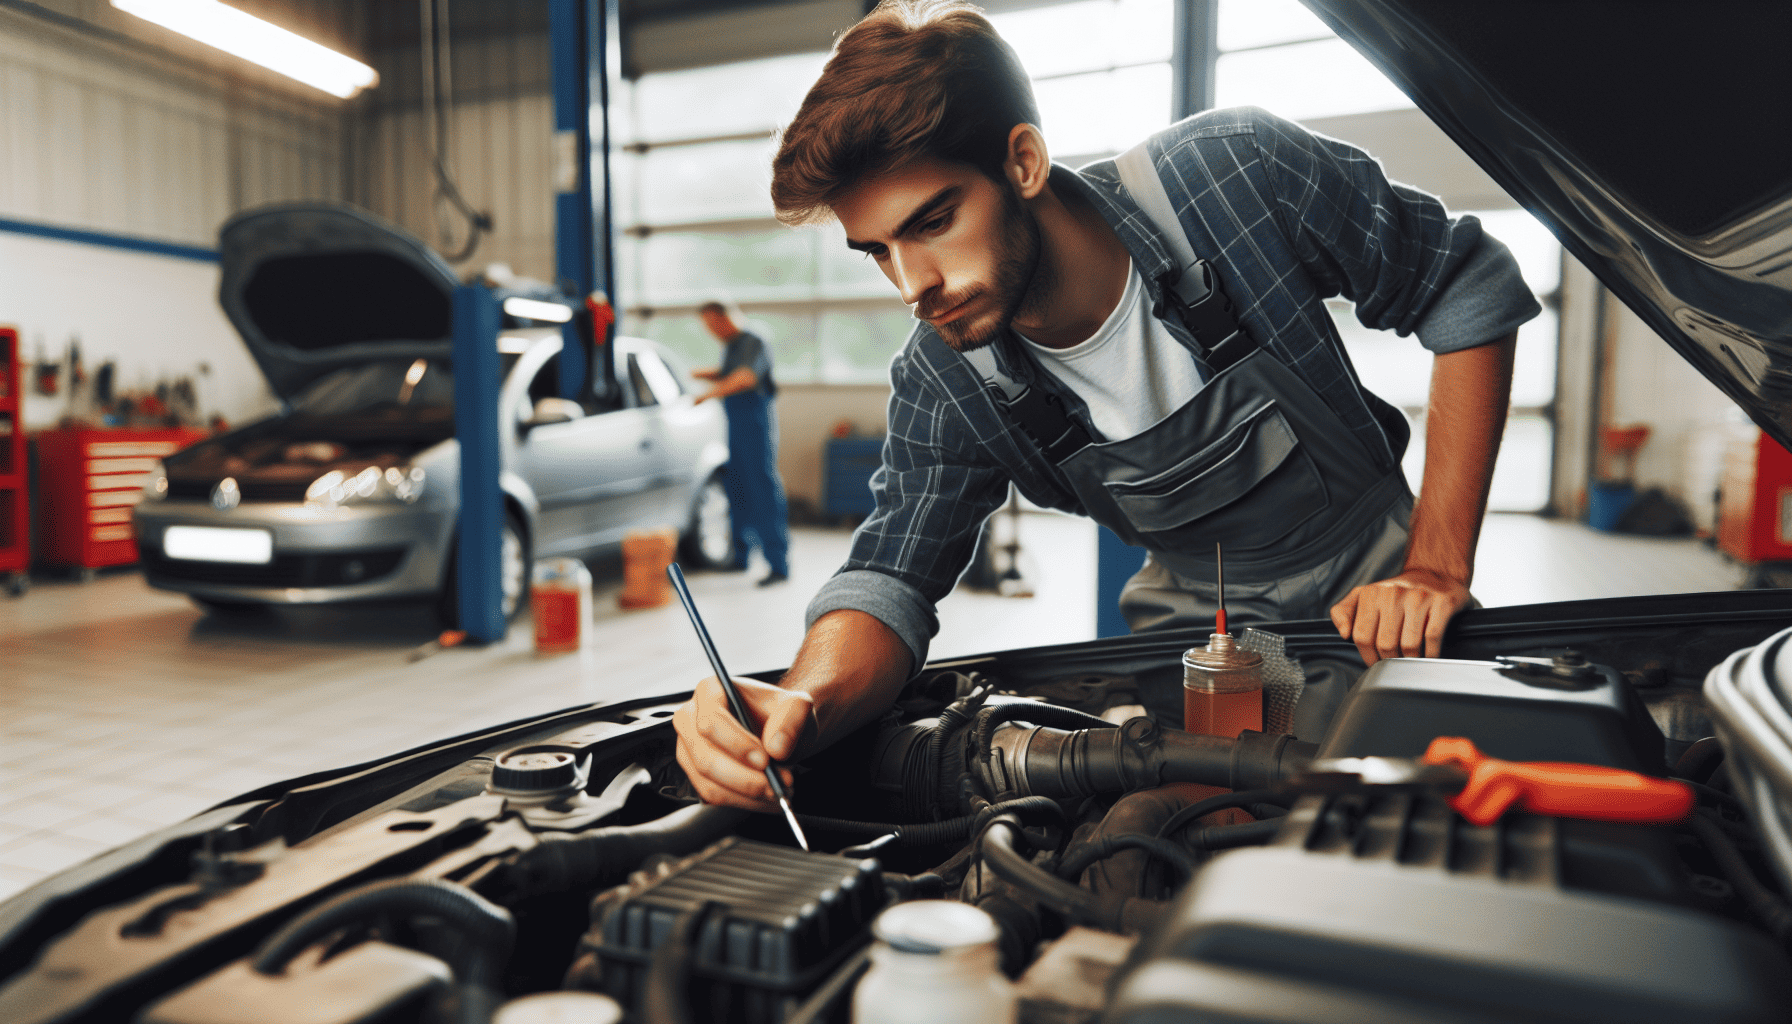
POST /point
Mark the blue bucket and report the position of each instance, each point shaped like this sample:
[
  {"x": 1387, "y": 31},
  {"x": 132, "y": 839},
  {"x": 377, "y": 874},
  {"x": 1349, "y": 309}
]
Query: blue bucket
[{"x": 1607, "y": 503}]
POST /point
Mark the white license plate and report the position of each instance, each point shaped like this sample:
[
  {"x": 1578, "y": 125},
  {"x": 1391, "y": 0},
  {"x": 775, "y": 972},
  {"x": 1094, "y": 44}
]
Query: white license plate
[{"x": 218, "y": 544}]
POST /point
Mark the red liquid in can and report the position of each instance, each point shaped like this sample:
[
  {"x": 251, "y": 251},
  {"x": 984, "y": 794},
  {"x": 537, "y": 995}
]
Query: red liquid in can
[
  {"x": 556, "y": 615},
  {"x": 1221, "y": 714}
]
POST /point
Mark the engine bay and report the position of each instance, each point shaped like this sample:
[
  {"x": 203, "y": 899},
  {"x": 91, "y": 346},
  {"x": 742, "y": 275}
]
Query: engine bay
[{"x": 1135, "y": 872}]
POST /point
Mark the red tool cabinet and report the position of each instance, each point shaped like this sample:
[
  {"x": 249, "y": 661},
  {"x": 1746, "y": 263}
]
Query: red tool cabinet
[
  {"x": 88, "y": 482},
  {"x": 15, "y": 492},
  {"x": 1754, "y": 516}
]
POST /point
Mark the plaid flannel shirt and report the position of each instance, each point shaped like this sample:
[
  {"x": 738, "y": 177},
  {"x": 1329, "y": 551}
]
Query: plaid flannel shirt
[{"x": 1287, "y": 219}]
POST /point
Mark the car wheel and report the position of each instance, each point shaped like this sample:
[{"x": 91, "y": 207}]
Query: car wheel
[
  {"x": 513, "y": 575},
  {"x": 709, "y": 539}
]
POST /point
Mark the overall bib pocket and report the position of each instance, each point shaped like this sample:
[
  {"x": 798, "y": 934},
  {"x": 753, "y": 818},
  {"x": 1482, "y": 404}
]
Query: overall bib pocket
[{"x": 1246, "y": 490}]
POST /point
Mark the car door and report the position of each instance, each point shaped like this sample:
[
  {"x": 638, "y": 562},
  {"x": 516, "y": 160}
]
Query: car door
[{"x": 582, "y": 470}]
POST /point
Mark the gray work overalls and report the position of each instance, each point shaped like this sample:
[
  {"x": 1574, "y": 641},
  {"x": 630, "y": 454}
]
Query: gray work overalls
[{"x": 1255, "y": 461}]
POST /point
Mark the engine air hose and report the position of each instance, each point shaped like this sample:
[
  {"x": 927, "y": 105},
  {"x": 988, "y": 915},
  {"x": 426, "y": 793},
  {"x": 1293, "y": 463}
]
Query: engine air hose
[
  {"x": 1222, "y": 802},
  {"x": 956, "y": 715},
  {"x": 1110, "y": 912},
  {"x": 489, "y": 929},
  {"x": 1228, "y": 837},
  {"x": 1772, "y": 911},
  {"x": 937, "y": 833},
  {"x": 1050, "y": 715},
  {"x": 1081, "y": 859},
  {"x": 591, "y": 858}
]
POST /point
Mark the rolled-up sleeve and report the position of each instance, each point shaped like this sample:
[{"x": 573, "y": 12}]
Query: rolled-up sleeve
[
  {"x": 932, "y": 494},
  {"x": 1392, "y": 249}
]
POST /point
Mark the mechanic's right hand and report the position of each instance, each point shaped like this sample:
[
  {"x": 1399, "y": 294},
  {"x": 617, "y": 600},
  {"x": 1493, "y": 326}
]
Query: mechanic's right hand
[{"x": 725, "y": 762}]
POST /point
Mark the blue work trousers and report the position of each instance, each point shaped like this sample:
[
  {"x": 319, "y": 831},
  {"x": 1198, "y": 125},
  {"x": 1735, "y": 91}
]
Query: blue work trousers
[{"x": 755, "y": 494}]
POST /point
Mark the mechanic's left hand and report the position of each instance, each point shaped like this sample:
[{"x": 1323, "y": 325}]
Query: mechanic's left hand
[{"x": 1400, "y": 617}]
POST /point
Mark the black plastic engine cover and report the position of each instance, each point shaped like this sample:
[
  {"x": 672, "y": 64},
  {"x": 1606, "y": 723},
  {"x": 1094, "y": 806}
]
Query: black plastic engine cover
[
  {"x": 1394, "y": 909},
  {"x": 1400, "y": 705},
  {"x": 768, "y": 924}
]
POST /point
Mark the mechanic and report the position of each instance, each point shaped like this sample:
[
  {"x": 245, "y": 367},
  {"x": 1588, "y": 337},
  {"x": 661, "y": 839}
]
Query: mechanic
[
  {"x": 743, "y": 382},
  {"x": 921, "y": 137}
]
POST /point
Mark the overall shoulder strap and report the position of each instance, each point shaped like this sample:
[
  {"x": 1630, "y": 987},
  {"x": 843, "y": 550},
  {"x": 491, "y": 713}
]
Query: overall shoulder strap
[
  {"x": 1041, "y": 416},
  {"x": 1193, "y": 290}
]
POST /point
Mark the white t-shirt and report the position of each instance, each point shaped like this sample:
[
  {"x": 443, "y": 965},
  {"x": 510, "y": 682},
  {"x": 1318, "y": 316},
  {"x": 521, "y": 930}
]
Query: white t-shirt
[{"x": 1131, "y": 372}]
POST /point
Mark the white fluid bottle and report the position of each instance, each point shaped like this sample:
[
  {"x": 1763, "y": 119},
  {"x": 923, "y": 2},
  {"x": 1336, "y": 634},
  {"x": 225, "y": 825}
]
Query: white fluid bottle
[{"x": 935, "y": 962}]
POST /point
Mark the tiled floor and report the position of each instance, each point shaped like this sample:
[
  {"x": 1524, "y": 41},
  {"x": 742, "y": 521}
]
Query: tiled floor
[{"x": 123, "y": 709}]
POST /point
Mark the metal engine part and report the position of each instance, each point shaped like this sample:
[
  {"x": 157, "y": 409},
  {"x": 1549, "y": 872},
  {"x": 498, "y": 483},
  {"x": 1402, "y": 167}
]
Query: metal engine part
[{"x": 1390, "y": 908}]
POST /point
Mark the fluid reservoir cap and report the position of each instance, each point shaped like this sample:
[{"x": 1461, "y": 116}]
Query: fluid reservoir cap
[
  {"x": 932, "y": 927},
  {"x": 560, "y": 1008},
  {"x": 533, "y": 770}
]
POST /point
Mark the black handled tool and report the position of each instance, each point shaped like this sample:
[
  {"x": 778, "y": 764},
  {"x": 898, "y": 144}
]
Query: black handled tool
[{"x": 735, "y": 702}]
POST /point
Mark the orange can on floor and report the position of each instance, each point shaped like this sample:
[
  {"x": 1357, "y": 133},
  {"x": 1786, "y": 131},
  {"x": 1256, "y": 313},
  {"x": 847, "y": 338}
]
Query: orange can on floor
[{"x": 560, "y": 604}]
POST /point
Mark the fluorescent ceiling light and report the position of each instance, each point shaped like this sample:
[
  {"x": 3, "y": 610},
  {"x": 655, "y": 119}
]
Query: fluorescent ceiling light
[
  {"x": 535, "y": 309},
  {"x": 257, "y": 41}
]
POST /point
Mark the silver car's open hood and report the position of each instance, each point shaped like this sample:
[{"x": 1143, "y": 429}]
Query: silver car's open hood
[
  {"x": 1654, "y": 138},
  {"x": 312, "y": 287}
]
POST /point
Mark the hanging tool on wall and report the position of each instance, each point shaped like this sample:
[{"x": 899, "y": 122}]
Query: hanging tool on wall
[{"x": 438, "y": 105}]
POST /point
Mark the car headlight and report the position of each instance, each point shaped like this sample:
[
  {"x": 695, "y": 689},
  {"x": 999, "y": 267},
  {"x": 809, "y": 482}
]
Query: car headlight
[
  {"x": 155, "y": 485},
  {"x": 372, "y": 484}
]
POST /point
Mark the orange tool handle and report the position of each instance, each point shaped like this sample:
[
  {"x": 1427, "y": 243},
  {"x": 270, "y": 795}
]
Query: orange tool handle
[{"x": 1557, "y": 789}]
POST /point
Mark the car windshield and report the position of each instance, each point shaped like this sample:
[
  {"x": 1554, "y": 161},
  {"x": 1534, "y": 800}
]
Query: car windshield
[{"x": 391, "y": 387}]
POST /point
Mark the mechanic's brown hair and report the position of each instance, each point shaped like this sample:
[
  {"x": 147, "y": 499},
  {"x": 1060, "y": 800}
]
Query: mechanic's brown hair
[{"x": 914, "y": 78}]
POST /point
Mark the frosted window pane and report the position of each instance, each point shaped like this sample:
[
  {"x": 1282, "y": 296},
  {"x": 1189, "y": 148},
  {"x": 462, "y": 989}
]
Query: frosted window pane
[
  {"x": 791, "y": 338},
  {"x": 846, "y": 274},
  {"x": 1521, "y": 476},
  {"x": 688, "y": 267},
  {"x": 1534, "y": 369},
  {"x": 1266, "y": 22},
  {"x": 1105, "y": 112},
  {"x": 1395, "y": 368},
  {"x": 1065, "y": 38},
  {"x": 1305, "y": 80},
  {"x": 857, "y": 345},
  {"x": 726, "y": 99},
  {"x": 713, "y": 181}
]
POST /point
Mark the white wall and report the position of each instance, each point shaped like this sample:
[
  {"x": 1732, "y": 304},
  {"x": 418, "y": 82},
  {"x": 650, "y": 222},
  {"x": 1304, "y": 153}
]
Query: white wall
[
  {"x": 110, "y": 139},
  {"x": 157, "y": 316}
]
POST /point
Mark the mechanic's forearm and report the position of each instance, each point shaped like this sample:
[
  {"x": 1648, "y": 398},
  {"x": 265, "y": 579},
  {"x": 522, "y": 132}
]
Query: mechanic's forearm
[
  {"x": 853, "y": 666},
  {"x": 1470, "y": 391},
  {"x": 737, "y": 381}
]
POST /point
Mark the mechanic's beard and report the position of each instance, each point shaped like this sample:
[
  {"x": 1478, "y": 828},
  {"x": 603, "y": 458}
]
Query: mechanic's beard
[{"x": 1021, "y": 285}]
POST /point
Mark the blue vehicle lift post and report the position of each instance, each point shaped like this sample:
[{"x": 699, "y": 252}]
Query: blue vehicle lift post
[
  {"x": 477, "y": 377},
  {"x": 587, "y": 58}
]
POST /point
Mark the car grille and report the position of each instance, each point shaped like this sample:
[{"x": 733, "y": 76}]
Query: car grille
[
  {"x": 327, "y": 570},
  {"x": 252, "y": 490}
]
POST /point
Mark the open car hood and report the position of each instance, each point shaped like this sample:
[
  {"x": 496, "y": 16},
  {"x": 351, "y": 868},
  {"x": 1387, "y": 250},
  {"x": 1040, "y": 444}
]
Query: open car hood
[
  {"x": 313, "y": 287},
  {"x": 1653, "y": 138}
]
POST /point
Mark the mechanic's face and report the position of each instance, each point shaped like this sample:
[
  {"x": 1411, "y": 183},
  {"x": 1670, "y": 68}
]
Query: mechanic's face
[
  {"x": 960, "y": 248},
  {"x": 720, "y": 324}
]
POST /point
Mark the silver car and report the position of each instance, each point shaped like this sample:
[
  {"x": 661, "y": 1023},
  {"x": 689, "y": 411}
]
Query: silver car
[{"x": 352, "y": 491}]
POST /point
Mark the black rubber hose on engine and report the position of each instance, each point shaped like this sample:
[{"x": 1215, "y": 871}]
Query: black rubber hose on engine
[
  {"x": 955, "y": 716},
  {"x": 1767, "y": 906},
  {"x": 937, "y": 833},
  {"x": 489, "y": 929},
  {"x": 1109, "y": 912},
  {"x": 1049, "y": 715},
  {"x": 1082, "y": 859},
  {"x": 1224, "y": 801},
  {"x": 1698, "y": 761},
  {"x": 599, "y": 855},
  {"x": 1230, "y": 837}
]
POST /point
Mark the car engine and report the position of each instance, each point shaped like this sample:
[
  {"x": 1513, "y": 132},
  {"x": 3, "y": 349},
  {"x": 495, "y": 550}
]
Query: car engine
[{"x": 551, "y": 869}]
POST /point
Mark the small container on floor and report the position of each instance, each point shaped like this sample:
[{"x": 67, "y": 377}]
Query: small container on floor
[
  {"x": 645, "y": 555},
  {"x": 560, "y": 604}
]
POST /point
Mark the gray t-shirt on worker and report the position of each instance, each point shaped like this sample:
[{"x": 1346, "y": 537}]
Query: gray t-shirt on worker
[{"x": 749, "y": 350}]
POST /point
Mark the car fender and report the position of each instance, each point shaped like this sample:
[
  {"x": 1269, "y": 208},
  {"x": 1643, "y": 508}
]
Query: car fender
[{"x": 517, "y": 489}]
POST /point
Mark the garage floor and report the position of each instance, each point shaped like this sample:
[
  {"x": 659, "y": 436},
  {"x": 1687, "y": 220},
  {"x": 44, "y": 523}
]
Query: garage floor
[{"x": 123, "y": 709}]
